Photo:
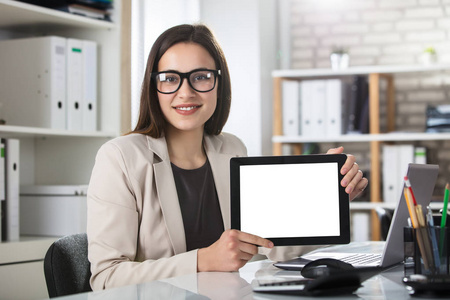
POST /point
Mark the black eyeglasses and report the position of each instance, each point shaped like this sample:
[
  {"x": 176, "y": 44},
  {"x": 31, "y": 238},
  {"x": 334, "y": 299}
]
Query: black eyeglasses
[{"x": 201, "y": 80}]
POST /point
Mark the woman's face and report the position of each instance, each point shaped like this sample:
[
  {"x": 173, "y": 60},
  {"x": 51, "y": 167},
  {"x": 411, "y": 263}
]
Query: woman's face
[{"x": 187, "y": 109}]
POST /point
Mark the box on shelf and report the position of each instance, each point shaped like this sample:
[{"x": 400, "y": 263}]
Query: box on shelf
[{"x": 53, "y": 210}]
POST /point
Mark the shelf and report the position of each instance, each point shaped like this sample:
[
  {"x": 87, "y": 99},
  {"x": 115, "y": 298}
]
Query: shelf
[
  {"x": 360, "y": 70},
  {"x": 7, "y": 131},
  {"x": 382, "y": 137},
  {"x": 19, "y": 15},
  {"x": 28, "y": 248},
  {"x": 391, "y": 205}
]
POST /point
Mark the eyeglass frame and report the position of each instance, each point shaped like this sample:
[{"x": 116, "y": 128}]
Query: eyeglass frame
[{"x": 186, "y": 76}]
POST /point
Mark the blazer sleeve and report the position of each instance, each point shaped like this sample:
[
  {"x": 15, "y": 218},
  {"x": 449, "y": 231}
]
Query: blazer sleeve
[{"x": 113, "y": 229}]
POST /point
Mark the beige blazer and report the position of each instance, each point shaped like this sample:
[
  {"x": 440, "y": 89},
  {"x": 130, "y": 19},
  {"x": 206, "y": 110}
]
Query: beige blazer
[{"x": 135, "y": 227}]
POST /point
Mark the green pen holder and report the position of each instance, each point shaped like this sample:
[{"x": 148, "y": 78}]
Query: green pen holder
[{"x": 426, "y": 250}]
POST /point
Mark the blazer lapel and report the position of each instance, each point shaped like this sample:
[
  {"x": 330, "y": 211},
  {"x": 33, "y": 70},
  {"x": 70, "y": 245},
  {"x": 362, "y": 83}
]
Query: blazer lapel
[
  {"x": 220, "y": 166},
  {"x": 167, "y": 195}
]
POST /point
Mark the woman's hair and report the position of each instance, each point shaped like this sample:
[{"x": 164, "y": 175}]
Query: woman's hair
[{"x": 151, "y": 119}]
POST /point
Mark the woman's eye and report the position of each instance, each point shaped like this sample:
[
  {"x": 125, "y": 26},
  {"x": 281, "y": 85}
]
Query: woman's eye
[
  {"x": 171, "y": 79},
  {"x": 201, "y": 76}
]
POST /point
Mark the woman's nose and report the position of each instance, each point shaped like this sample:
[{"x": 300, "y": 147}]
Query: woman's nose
[{"x": 185, "y": 89}]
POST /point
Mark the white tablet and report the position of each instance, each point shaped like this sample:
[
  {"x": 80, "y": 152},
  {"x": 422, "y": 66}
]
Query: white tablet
[{"x": 291, "y": 200}]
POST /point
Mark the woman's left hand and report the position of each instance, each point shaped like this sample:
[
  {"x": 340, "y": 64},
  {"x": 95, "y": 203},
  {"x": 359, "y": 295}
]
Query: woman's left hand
[{"x": 353, "y": 181}]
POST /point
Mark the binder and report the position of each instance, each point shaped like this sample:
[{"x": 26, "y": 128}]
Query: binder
[
  {"x": 318, "y": 99},
  {"x": 391, "y": 192},
  {"x": 306, "y": 90},
  {"x": 32, "y": 75},
  {"x": 333, "y": 106},
  {"x": 89, "y": 99},
  {"x": 2, "y": 187},
  {"x": 11, "y": 230},
  {"x": 291, "y": 108},
  {"x": 74, "y": 90},
  {"x": 396, "y": 159}
]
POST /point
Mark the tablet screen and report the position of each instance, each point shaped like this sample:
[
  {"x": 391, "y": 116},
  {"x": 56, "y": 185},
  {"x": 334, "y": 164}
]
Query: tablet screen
[{"x": 291, "y": 200}]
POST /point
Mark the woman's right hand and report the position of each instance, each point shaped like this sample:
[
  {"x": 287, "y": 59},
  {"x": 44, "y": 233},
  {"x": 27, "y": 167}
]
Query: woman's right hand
[{"x": 231, "y": 252}]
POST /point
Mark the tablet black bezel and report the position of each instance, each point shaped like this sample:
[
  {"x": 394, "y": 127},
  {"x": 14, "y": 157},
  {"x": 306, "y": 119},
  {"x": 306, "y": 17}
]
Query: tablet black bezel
[{"x": 344, "y": 203}]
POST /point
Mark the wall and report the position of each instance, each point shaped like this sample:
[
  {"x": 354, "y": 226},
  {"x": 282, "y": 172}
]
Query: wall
[
  {"x": 246, "y": 31},
  {"x": 381, "y": 32}
]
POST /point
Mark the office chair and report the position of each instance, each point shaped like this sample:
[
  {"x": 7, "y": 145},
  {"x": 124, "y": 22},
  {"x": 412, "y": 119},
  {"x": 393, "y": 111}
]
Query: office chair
[
  {"x": 66, "y": 266},
  {"x": 385, "y": 217}
]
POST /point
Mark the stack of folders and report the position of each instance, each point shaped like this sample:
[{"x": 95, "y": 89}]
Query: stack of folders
[
  {"x": 312, "y": 108},
  {"x": 54, "y": 78},
  {"x": 395, "y": 163},
  {"x": 9, "y": 189},
  {"x": 96, "y": 9},
  {"x": 325, "y": 107}
]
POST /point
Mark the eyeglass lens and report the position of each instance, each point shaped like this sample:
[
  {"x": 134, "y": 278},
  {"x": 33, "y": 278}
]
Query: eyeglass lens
[{"x": 201, "y": 81}]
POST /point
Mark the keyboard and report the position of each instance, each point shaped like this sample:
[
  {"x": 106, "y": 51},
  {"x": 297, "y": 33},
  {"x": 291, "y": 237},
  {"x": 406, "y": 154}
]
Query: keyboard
[{"x": 355, "y": 259}]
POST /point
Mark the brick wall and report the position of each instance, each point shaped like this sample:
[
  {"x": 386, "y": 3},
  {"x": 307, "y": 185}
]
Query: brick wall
[{"x": 382, "y": 32}]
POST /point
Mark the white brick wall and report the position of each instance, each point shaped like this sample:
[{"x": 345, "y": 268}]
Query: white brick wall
[{"x": 382, "y": 32}]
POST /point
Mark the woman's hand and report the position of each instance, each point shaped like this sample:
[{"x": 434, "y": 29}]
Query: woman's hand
[
  {"x": 231, "y": 252},
  {"x": 353, "y": 180}
]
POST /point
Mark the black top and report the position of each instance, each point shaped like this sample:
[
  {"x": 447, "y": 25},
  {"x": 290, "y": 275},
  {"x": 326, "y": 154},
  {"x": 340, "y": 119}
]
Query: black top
[{"x": 202, "y": 218}]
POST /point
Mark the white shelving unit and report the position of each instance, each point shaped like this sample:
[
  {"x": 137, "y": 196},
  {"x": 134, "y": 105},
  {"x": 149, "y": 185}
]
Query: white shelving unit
[
  {"x": 375, "y": 138},
  {"x": 51, "y": 156}
]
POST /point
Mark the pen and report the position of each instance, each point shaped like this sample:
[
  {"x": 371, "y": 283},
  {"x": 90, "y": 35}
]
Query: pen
[
  {"x": 443, "y": 221},
  {"x": 408, "y": 185},
  {"x": 430, "y": 221},
  {"x": 444, "y": 211}
]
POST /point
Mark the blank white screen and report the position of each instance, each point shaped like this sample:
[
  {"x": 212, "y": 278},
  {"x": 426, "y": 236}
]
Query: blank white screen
[{"x": 290, "y": 200}]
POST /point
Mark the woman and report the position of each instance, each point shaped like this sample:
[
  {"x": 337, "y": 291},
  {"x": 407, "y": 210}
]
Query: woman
[{"x": 158, "y": 199}]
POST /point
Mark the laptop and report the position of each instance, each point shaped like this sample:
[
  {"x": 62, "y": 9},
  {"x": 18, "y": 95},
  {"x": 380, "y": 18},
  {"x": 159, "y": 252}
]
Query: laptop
[{"x": 423, "y": 178}]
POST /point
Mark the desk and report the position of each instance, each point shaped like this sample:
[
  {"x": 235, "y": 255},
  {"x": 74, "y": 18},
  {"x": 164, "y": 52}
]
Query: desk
[{"x": 236, "y": 285}]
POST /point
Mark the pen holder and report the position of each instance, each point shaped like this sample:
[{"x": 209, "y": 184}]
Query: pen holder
[{"x": 426, "y": 250}]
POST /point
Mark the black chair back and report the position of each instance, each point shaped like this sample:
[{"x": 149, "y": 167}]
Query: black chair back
[{"x": 66, "y": 266}]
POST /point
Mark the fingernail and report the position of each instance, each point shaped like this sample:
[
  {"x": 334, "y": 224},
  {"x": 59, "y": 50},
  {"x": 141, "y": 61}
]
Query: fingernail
[
  {"x": 349, "y": 190},
  {"x": 270, "y": 245},
  {"x": 343, "y": 171},
  {"x": 344, "y": 183}
]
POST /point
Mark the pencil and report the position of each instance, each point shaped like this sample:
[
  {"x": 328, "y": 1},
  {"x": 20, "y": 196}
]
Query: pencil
[
  {"x": 411, "y": 208},
  {"x": 443, "y": 221},
  {"x": 415, "y": 222},
  {"x": 444, "y": 210},
  {"x": 408, "y": 185},
  {"x": 426, "y": 240}
]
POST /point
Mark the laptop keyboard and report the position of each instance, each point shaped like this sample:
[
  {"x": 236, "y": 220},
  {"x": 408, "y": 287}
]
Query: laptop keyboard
[
  {"x": 355, "y": 259},
  {"x": 363, "y": 259}
]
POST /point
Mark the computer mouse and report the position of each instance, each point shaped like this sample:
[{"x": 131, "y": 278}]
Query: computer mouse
[{"x": 324, "y": 266}]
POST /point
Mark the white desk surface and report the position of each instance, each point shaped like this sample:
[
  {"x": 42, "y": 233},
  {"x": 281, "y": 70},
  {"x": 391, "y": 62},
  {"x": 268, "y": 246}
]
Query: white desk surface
[{"x": 236, "y": 285}]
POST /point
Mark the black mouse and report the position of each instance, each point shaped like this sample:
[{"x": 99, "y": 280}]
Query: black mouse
[{"x": 324, "y": 266}]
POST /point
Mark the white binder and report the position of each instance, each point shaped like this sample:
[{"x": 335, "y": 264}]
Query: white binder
[
  {"x": 318, "y": 98},
  {"x": 12, "y": 190},
  {"x": 74, "y": 90},
  {"x": 2, "y": 185},
  {"x": 89, "y": 99},
  {"x": 306, "y": 108},
  {"x": 333, "y": 107},
  {"x": 291, "y": 108},
  {"x": 32, "y": 75}
]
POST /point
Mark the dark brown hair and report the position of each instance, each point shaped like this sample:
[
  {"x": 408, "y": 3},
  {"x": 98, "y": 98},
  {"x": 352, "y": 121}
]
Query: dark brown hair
[{"x": 151, "y": 119}]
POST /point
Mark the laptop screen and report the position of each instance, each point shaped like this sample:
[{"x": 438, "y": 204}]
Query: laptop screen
[{"x": 291, "y": 200}]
